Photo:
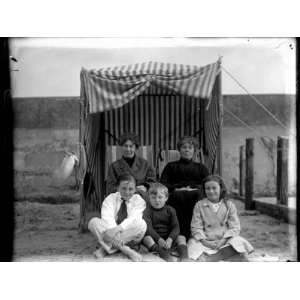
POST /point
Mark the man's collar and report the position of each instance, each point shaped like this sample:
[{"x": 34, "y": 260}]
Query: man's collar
[
  {"x": 208, "y": 203},
  {"x": 119, "y": 198}
]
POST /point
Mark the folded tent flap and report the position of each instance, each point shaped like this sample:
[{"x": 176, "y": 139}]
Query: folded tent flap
[{"x": 114, "y": 152}]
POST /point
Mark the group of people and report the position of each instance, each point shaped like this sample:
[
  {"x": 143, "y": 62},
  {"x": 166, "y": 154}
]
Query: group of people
[{"x": 186, "y": 213}]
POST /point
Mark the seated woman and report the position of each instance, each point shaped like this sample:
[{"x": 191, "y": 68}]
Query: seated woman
[
  {"x": 183, "y": 179},
  {"x": 132, "y": 164}
]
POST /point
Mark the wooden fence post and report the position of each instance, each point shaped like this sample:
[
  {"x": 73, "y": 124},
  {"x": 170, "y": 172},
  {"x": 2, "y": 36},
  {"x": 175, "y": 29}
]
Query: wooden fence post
[
  {"x": 282, "y": 170},
  {"x": 242, "y": 171},
  {"x": 249, "y": 203}
]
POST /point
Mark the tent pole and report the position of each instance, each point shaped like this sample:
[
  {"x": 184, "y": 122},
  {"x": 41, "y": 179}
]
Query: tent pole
[
  {"x": 102, "y": 155},
  {"x": 220, "y": 98},
  {"x": 82, "y": 121}
]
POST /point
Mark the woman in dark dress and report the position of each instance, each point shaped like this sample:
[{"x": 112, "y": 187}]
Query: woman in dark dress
[
  {"x": 132, "y": 164},
  {"x": 183, "y": 179}
]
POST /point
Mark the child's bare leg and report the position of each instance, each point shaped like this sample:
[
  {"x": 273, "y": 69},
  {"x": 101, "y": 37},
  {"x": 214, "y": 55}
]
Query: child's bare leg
[
  {"x": 182, "y": 248},
  {"x": 98, "y": 227},
  {"x": 223, "y": 254},
  {"x": 149, "y": 242},
  {"x": 133, "y": 255},
  {"x": 226, "y": 252},
  {"x": 100, "y": 252},
  {"x": 152, "y": 246},
  {"x": 135, "y": 233},
  {"x": 238, "y": 257}
]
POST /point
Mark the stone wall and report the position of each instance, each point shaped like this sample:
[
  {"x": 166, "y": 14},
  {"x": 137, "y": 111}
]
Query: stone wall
[{"x": 46, "y": 127}]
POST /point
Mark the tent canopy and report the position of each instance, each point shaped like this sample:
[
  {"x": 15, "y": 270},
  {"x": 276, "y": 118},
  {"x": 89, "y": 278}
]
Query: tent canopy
[{"x": 110, "y": 88}]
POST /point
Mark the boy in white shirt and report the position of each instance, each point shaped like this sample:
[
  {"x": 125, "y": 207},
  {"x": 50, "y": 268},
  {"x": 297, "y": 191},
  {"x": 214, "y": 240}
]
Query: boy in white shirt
[{"x": 121, "y": 220}]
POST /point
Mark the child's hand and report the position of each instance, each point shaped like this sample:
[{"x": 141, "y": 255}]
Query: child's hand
[
  {"x": 116, "y": 242},
  {"x": 221, "y": 243},
  {"x": 162, "y": 243},
  {"x": 109, "y": 234},
  {"x": 210, "y": 244},
  {"x": 169, "y": 242}
]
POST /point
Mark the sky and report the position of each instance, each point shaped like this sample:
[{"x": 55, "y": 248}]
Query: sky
[{"x": 50, "y": 67}]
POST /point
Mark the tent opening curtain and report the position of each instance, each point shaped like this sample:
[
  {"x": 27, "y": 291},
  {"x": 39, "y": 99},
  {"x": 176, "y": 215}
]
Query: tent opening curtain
[
  {"x": 212, "y": 136},
  {"x": 159, "y": 120},
  {"x": 94, "y": 143}
]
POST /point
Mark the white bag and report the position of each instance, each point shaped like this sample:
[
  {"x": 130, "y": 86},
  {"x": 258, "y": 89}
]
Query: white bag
[{"x": 66, "y": 168}]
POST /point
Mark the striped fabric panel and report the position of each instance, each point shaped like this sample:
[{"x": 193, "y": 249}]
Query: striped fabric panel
[
  {"x": 110, "y": 88},
  {"x": 94, "y": 161},
  {"x": 171, "y": 155},
  {"x": 159, "y": 120},
  {"x": 166, "y": 156}
]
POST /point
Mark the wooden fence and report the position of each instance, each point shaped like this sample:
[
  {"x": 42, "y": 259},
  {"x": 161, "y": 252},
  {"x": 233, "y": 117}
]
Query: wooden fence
[{"x": 246, "y": 172}]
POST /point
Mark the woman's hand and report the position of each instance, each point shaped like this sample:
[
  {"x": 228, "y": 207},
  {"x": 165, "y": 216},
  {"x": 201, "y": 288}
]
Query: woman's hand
[
  {"x": 141, "y": 188},
  {"x": 191, "y": 189},
  {"x": 185, "y": 188}
]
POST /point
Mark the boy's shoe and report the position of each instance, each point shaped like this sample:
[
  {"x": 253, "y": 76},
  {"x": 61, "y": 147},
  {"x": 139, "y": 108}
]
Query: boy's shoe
[
  {"x": 154, "y": 249},
  {"x": 186, "y": 260},
  {"x": 100, "y": 253},
  {"x": 174, "y": 252},
  {"x": 134, "y": 246}
]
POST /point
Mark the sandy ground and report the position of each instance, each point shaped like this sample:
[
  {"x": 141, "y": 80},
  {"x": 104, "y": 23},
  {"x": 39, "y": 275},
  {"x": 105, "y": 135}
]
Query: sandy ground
[{"x": 49, "y": 232}]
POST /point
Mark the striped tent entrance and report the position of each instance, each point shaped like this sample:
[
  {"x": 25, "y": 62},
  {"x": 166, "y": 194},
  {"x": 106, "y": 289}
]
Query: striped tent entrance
[{"x": 160, "y": 102}]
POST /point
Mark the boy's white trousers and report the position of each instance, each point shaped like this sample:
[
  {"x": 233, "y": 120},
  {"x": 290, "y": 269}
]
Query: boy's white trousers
[{"x": 135, "y": 232}]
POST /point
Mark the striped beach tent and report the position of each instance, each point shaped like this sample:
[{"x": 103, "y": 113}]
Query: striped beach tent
[{"x": 161, "y": 102}]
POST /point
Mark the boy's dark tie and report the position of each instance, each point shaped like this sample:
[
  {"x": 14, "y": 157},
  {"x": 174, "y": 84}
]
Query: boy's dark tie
[{"x": 122, "y": 213}]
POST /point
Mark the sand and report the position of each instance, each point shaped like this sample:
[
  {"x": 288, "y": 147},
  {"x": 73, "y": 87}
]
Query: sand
[{"x": 49, "y": 232}]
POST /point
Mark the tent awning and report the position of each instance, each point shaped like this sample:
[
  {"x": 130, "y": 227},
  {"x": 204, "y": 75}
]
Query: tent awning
[{"x": 110, "y": 88}]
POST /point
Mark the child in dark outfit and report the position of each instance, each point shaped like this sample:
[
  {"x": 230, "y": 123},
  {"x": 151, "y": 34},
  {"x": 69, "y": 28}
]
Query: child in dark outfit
[{"x": 162, "y": 224}]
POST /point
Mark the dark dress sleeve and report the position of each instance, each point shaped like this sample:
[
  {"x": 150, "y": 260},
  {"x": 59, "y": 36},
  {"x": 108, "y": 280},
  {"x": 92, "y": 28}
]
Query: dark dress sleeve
[
  {"x": 203, "y": 170},
  {"x": 202, "y": 173},
  {"x": 174, "y": 224},
  {"x": 165, "y": 177},
  {"x": 147, "y": 216}
]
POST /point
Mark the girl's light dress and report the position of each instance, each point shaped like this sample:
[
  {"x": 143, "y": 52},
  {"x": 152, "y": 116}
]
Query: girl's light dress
[{"x": 213, "y": 225}]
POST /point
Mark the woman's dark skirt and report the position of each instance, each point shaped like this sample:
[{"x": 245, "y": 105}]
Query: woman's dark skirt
[{"x": 184, "y": 202}]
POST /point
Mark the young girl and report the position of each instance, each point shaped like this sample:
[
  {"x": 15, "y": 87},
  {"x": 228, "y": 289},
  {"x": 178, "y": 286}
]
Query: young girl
[
  {"x": 215, "y": 226},
  {"x": 121, "y": 222}
]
